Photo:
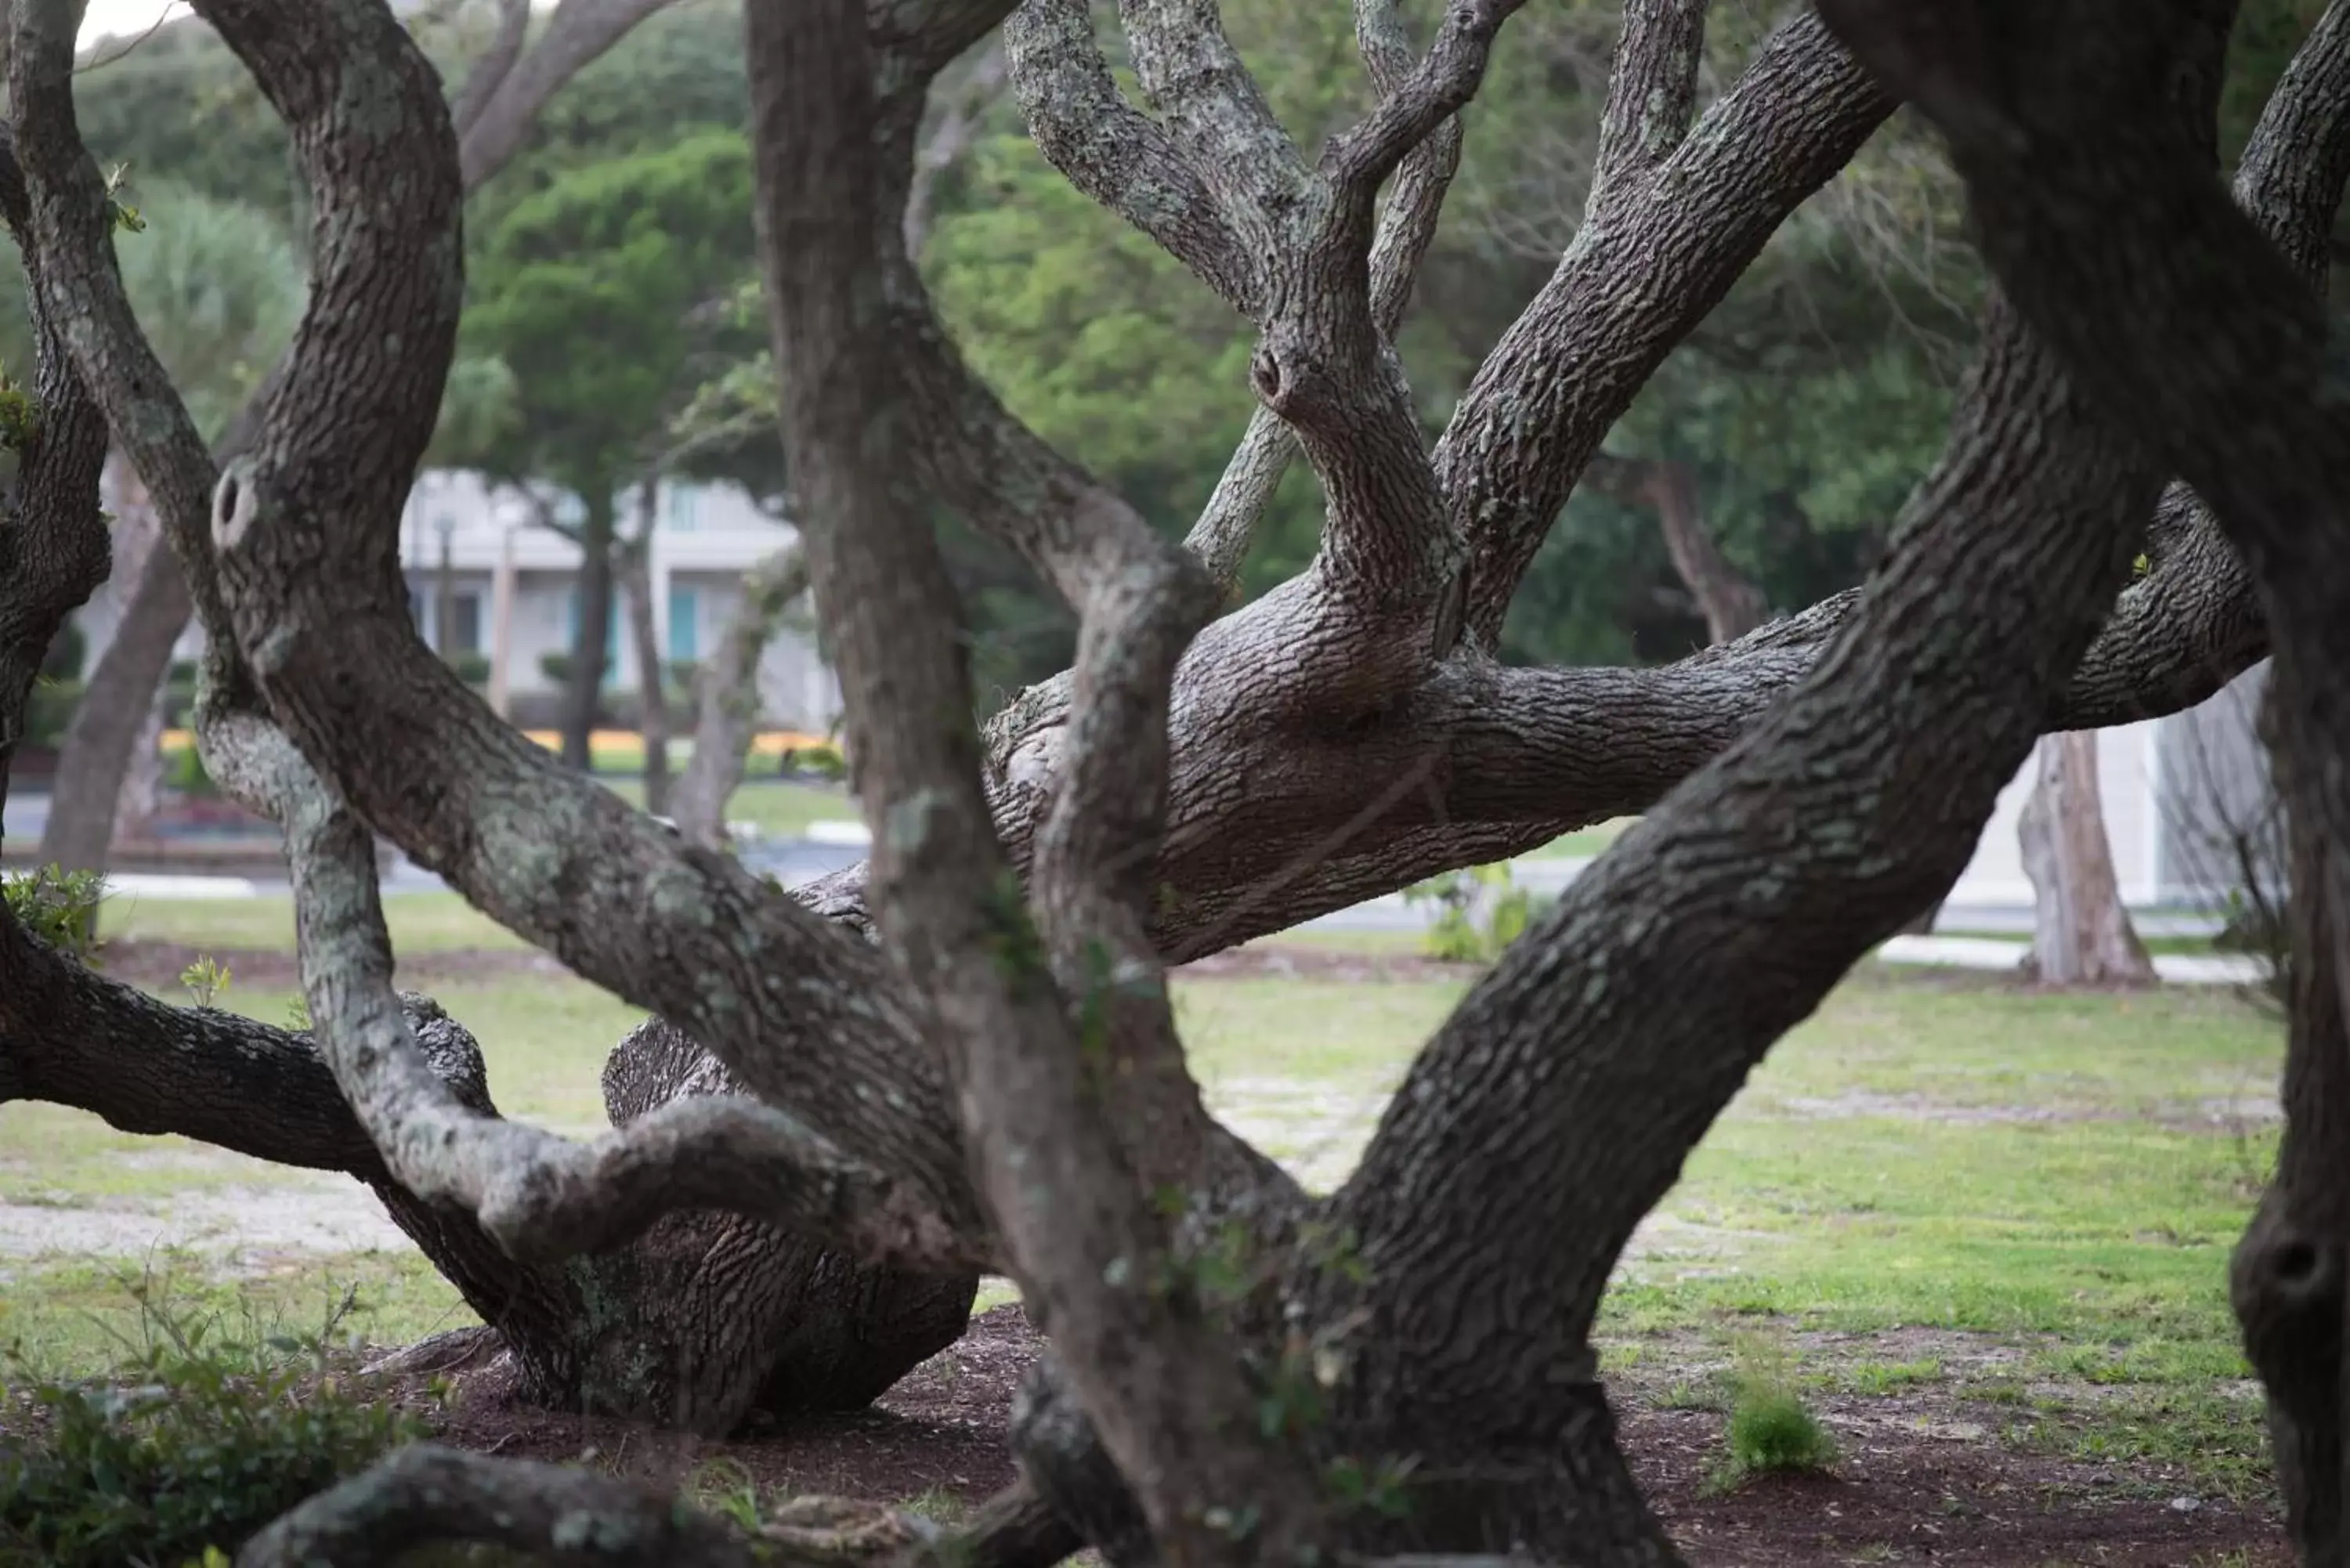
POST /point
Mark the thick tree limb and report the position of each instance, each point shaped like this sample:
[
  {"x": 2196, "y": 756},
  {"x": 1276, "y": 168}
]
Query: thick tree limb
[
  {"x": 53, "y": 543},
  {"x": 1630, "y": 288},
  {"x": 426, "y": 1495},
  {"x": 1851, "y": 805},
  {"x": 579, "y": 31},
  {"x": 1227, "y": 527},
  {"x": 1197, "y": 81},
  {"x": 489, "y": 73},
  {"x": 1651, "y": 95},
  {"x": 1082, "y": 1232},
  {"x": 1110, "y": 150}
]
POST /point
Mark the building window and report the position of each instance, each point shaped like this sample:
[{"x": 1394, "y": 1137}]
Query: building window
[
  {"x": 684, "y": 625},
  {"x": 681, "y": 502}
]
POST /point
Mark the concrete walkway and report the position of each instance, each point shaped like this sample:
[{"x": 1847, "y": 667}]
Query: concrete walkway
[{"x": 1989, "y": 953}]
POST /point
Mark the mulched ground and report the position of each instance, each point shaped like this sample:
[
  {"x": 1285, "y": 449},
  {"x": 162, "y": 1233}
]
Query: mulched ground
[{"x": 1895, "y": 1497}]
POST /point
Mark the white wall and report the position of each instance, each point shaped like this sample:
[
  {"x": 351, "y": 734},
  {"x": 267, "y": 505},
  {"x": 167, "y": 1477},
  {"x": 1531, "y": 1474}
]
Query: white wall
[{"x": 2128, "y": 782}]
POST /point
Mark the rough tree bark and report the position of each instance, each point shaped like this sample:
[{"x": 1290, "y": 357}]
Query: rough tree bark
[
  {"x": 698, "y": 1323},
  {"x": 726, "y": 699},
  {"x": 995, "y": 1080},
  {"x": 2081, "y": 934},
  {"x": 494, "y": 112},
  {"x": 2201, "y": 321}
]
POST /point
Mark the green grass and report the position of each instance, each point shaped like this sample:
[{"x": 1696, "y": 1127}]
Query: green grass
[
  {"x": 779, "y": 808},
  {"x": 2015, "y": 1204},
  {"x": 1585, "y": 842},
  {"x": 420, "y": 922}
]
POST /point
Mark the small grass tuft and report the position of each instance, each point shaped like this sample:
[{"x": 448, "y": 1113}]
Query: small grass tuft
[{"x": 1771, "y": 1432}]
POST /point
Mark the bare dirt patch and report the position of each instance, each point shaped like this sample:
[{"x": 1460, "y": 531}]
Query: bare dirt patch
[{"x": 1920, "y": 1479}]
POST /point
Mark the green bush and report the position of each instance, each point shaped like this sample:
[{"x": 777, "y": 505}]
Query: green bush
[
  {"x": 1772, "y": 1430},
  {"x": 472, "y": 669},
  {"x": 69, "y": 652},
  {"x": 188, "y": 775},
  {"x": 59, "y": 907},
  {"x": 191, "y": 1447},
  {"x": 1479, "y": 913},
  {"x": 49, "y": 710},
  {"x": 820, "y": 762},
  {"x": 556, "y": 667}
]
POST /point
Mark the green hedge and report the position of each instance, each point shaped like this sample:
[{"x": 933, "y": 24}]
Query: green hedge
[{"x": 50, "y": 710}]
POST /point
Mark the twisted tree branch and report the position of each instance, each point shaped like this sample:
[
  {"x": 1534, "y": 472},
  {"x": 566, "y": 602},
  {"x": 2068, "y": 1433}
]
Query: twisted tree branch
[{"x": 1110, "y": 150}]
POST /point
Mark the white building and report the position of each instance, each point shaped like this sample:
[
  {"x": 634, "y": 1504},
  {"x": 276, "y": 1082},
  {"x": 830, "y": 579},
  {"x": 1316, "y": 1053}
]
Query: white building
[
  {"x": 2177, "y": 792},
  {"x": 491, "y": 547},
  {"x": 707, "y": 536}
]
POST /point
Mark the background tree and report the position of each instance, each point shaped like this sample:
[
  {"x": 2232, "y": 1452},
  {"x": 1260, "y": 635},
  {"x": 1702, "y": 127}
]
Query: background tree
[
  {"x": 606, "y": 293},
  {"x": 244, "y": 151}
]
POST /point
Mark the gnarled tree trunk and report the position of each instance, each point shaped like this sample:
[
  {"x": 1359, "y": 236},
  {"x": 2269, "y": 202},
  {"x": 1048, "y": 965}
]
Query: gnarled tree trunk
[
  {"x": 996, "y": 1080},
  {"x": 2081, "y": 933}
]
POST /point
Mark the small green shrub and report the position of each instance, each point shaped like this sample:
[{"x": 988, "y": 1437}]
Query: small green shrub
[
  {"x": 59, "y": 907},
  {"x": 49, "y": 709},
  {"x": 1478, "y": 913},
  {"x": 1771, "y": 1432},
  {"x": 68, "y": 652},
  {"x": 1773, "y": 1429},
  {"x": 472, "y": 669},
  {"x": 824, "y": 762},
  {"x": 188, "y": 774},
  {"x": 187, "y": 1449},
  {"x": 204, "y": 980}
]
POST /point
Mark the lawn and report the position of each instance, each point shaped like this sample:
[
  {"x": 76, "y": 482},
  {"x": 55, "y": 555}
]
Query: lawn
[
  {"x": 420, "y": 922},
  {"x": 778, "y": 808},
  {"x": 1585, "y": 842},
  {"x": 2023, "y": 1201}
]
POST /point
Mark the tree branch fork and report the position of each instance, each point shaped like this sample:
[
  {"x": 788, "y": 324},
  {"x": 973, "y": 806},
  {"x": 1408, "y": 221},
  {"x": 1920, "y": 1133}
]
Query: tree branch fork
[{"x": 994, "y": 1068}]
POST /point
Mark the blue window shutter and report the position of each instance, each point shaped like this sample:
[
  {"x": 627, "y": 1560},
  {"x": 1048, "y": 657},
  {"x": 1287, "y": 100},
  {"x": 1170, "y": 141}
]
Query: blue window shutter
[
  {"x": 684, "y": 636},
  {"x": 571, "y": 618}
]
